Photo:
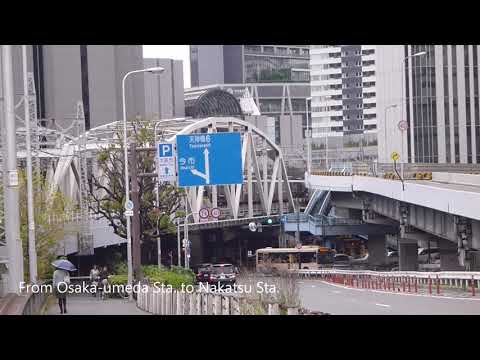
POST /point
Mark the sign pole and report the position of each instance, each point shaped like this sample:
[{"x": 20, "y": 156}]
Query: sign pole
[{"x": 136, "y": 247}]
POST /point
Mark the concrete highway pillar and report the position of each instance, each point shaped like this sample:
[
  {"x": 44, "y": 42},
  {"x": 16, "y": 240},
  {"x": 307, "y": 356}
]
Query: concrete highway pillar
[
  {"x": 448, "y": 256},
  {"x": 407, "y": 254},
  {"x": 377, "y": 250}
]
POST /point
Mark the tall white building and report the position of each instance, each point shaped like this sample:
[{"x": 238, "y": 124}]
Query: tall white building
[
  {"x": 343, "y": 90},
  {"x": 434, "y": 89}
]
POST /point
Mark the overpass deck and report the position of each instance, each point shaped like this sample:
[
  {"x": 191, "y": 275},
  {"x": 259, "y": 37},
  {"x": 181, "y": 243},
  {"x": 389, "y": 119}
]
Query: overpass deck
[{"x": 455, "y": 199}]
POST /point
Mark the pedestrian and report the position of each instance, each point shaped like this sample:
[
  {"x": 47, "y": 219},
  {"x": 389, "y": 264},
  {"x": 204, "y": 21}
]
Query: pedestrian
[
  {"x": 103, "y": 277},
  {"x": 94, "y": 277},
  {"x": 61, "y": 280}
]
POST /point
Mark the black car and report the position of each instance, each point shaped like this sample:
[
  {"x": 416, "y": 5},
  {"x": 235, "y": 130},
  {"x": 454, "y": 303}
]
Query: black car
[
  {"x": 222, "y": 274},
  {"x": 203, "y": 272}
]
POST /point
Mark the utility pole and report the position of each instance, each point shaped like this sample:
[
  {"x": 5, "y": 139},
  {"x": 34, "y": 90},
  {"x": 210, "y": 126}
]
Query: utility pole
[
  {"x": 32, "y": 251},
  {"x": 11, "y": 191},
  {"x": 136, "y": 247}
]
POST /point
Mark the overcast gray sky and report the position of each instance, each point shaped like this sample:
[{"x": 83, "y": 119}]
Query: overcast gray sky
[{"x": 177, "y": 52}]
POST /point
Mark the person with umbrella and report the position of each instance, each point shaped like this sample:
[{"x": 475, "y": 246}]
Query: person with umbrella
[{"x": 61, "y": 279}]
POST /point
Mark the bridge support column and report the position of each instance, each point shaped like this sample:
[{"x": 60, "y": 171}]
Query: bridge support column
[
  {"x": 407, "y": 254},
  {"x": 377, "y": 250},
  {"x": 449, "y": 256}
]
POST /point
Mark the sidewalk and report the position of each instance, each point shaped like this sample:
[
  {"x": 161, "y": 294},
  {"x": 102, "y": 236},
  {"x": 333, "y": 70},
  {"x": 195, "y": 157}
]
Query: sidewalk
[{"x": 87, "y": 305}]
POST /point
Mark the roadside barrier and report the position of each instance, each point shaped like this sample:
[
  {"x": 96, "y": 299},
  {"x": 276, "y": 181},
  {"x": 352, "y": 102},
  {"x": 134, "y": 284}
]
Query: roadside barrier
[
  {"x": 174, "y": 302},
  {"x": 399, "y": 281}
]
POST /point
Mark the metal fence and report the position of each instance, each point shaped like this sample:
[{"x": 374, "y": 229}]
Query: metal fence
[
  {"x": 174, "y": 302},
  {"x": 399, "y": 281}
]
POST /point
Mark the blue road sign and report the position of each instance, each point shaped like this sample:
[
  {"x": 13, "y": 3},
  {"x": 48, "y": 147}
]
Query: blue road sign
[
  {"x": 209, "y": 159},
  {"x": 165, "y": 150},
  {"x": 165, "y": 162}
]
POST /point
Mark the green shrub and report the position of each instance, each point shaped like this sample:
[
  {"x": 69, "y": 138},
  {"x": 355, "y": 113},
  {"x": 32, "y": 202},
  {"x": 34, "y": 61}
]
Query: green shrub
[
  {"x": 118, "y": 279},
  {"x": 174, "y": 277},
  {"x": 121, "y": 268}
]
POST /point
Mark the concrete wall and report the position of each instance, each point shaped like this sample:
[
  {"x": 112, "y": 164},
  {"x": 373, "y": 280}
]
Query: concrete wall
[
  {"x": 128, "y": 58},
  {"x": 210, "y": 65},
  {"x": 63, "y": 86},
  {"x": 265, "y": 124},
  {"x": 291, "y": 132},
  {"x": 164, "y": 96},
  {"x": 107, "y": 64},
  {"x": 104, "y": 102},
  {"x": 388, "y": 92},
  {"x": 453, "y": 178},
  {"x": 233, "y": 62}
]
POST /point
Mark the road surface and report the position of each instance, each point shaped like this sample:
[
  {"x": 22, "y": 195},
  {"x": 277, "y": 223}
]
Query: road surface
[{"x": 336, "y": 299}]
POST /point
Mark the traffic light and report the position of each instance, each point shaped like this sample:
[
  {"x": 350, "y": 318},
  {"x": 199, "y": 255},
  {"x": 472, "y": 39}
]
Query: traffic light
[{"x": 269, "y": 221}]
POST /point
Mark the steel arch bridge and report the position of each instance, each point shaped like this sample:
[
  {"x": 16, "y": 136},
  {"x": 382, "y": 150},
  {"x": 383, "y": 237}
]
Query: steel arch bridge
[{"x": 265, "y": 190}]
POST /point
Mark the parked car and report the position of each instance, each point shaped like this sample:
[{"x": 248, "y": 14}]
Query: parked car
[
  {"x": 203, "y": 272},
  {"x": 222, "y": 274}
]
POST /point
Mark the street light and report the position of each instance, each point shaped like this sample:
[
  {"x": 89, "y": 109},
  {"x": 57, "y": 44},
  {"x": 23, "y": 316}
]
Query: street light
[
  {"x": 386, "y": 123},
  {"x": 153, "y": 70},
  {"x": 404, "y": 99}
]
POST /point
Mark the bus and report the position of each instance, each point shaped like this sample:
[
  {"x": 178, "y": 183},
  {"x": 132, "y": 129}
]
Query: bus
[{"x": 271, "y": 260}]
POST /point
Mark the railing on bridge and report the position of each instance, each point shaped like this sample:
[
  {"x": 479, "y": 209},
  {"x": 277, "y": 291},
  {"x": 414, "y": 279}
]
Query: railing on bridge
[
  {"x": 455, "y": 282},
  {"x": 320, "y": 220},
  {"x": 417, "y": 171}
]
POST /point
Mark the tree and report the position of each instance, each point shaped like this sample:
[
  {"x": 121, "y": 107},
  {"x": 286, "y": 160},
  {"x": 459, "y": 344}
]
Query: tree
[
  {"x": 49, "y": 216},
  {"x": 107, "y": 189}
]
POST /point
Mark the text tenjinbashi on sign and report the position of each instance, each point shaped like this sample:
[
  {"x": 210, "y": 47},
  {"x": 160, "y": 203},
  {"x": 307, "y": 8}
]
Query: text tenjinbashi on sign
[{"x": 209, "y": 159}]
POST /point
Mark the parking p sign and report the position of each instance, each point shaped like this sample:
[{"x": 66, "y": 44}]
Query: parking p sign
[{"x": 165, "y": 162}]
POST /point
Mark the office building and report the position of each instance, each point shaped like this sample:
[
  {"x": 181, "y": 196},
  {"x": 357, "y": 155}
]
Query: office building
[
  {"x": 434, "y": 89},
  {"x": 344, "y": 115},
  {"x": 66, "y": 74},
  {"x": 164, "y": 92},
  {"x": 275, "y": 76}
]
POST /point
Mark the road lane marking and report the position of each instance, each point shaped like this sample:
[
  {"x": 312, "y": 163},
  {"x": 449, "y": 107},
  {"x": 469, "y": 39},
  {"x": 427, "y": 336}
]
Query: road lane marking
[
  {"x": 404, "y": 294},
  {"x": 336, "y": 292},
  {"x": 384, "y": 305}
]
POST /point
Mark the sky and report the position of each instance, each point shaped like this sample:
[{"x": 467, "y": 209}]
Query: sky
[{"x": 176, "y": 52}]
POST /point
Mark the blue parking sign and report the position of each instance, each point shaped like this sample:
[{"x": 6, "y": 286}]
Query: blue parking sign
[
  {"x": 165, "y": 162},
  {"x": 165, "y": 150},
  {"x": 209, "y": 159}
]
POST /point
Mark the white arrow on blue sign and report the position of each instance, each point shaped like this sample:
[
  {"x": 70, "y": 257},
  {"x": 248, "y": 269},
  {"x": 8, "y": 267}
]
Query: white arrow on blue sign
[{"x": 209, "y": 159}]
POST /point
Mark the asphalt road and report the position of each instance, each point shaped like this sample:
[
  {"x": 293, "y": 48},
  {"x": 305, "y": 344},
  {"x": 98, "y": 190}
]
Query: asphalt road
[{"x": 335, "y": 299}]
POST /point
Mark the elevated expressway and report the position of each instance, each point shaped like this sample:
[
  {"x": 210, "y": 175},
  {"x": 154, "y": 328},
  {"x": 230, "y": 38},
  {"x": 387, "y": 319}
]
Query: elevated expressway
[{"x": 444, "y": 211}]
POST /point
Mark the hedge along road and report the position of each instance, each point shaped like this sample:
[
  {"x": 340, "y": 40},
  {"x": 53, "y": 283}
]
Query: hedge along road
[{"x": 336, "y": 299}]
